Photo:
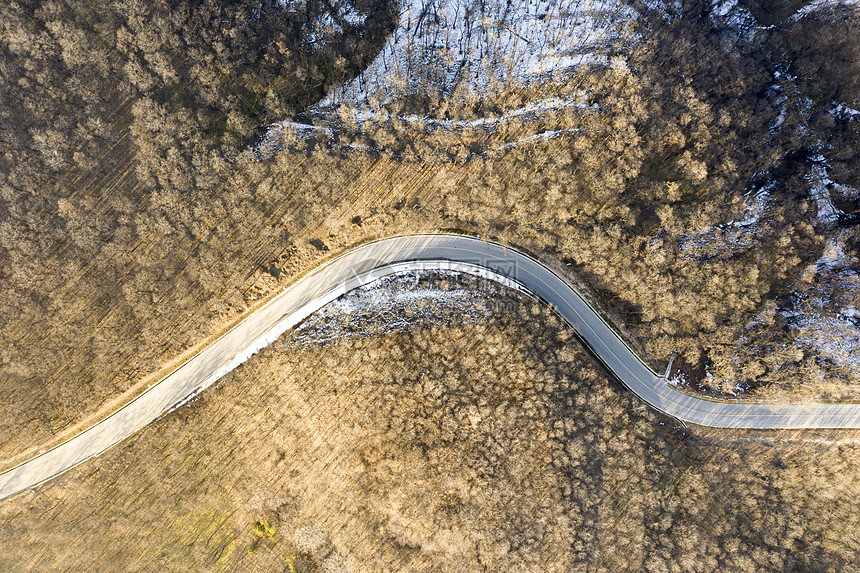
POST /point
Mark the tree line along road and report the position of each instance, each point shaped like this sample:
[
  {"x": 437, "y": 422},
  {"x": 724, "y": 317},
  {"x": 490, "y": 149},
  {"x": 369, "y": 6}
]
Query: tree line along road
[{"x": 375, "y": 260}]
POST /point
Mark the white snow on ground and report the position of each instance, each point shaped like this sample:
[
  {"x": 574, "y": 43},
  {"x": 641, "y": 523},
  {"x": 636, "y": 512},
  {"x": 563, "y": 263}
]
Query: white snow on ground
[
  {"x": 831, "y": 334},
  {"x": 826, "y": 325},
  {"x": 819, "y": 5},
  {"x": 830, "y": 327},
  {"x": 329, "y": 122},
  {"x": 440, "y": 45},
  {"x": 531, "y": 139},
  {"x": 401, "y": 302},
  {"x": 396, "y": 302},
  {"x": 470, "y": 47},
  {"x": 734, "y": 236},
  {"x": 732, "y": 14},
  {"x": 833, "y": 258},
  {"x": 819, "y": 191},
  {"x": 678, "y": 381},
  {"x": 843, "y": 111},
  {"x": 723, "y": 7},
  {"x": 530, "y": 111}
]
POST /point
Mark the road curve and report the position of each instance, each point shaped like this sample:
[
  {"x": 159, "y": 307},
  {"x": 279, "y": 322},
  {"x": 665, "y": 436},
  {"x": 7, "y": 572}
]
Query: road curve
[{"x": 415, "y": 252}]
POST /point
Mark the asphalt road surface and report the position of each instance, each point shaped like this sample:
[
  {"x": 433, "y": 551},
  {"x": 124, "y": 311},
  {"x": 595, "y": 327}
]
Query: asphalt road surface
[{"x": 416, "y": 252}]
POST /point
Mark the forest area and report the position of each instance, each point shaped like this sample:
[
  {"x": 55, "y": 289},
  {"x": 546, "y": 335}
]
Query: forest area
[
  {"x": 680, "y": 173},
  {"x": 483, "y": 444},
  {"x": 166, "y": 166}
]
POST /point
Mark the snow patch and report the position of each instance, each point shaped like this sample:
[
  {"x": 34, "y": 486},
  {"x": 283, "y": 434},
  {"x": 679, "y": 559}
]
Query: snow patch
[
  {"x": 731, "y": 14},
  {"x": 825, "y": 321},
  {"x": 843, "y": 111},
  {"x": 443, "y": 45},
  {"x": 731, "y": 237},
  {"x": 372, "y": 287},
  {"x": 722, "y": 8},
  {"x": 282, "y": 133},
  {"x": 819, "y": 5},
  {"x": 402, "y": 302},
  {"x": 465, "y": 48},
  {"x": 832, "y": 335},
  {"x": 833, "y": 257},
  {"x": 819, "y": 191}
]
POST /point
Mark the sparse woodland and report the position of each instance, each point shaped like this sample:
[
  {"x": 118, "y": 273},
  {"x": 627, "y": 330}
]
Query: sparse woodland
[{"x": 495, "y": 445}]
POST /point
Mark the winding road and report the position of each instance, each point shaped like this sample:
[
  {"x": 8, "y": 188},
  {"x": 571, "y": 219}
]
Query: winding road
[{"x": 375, "y": 260}]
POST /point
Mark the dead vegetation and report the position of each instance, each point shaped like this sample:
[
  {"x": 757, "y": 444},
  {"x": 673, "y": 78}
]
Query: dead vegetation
[
  {"x": 135, "y": 222},
  {"x": 495, "y": 445}
]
